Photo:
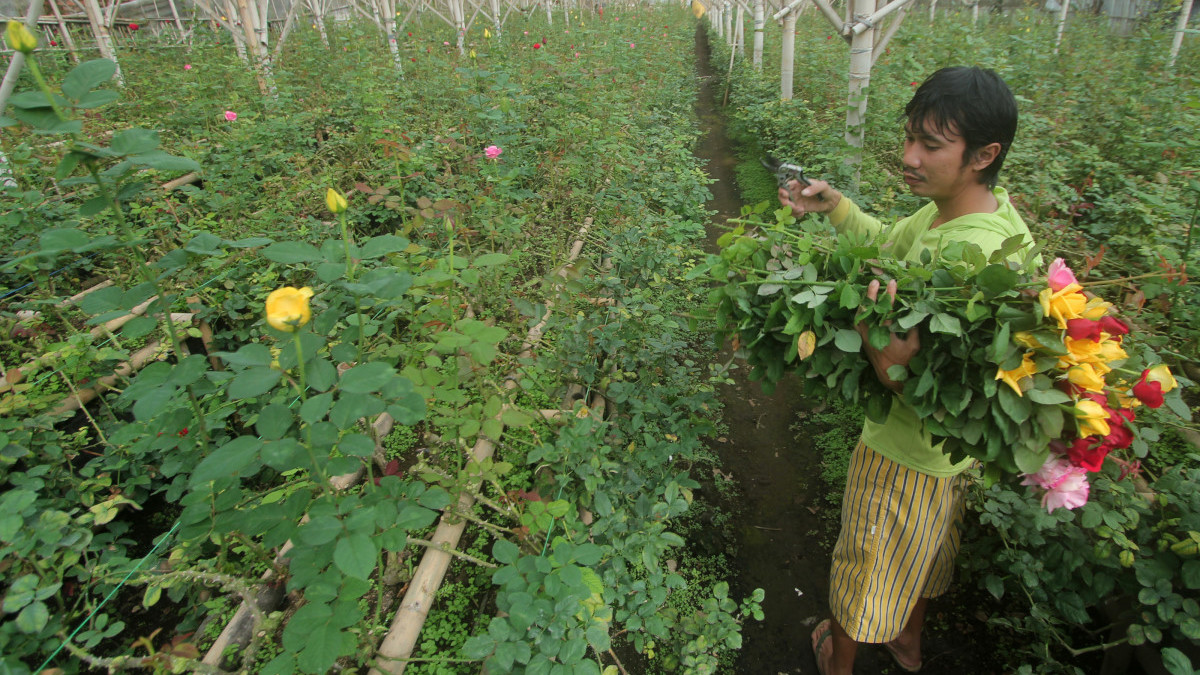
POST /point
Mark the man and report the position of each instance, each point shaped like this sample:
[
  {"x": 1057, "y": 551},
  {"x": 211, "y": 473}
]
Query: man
[{"x": 903, "y": 495}]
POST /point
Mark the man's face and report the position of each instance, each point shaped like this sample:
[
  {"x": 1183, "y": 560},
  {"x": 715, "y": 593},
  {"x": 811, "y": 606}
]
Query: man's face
[{"x": 933, "y": 161}]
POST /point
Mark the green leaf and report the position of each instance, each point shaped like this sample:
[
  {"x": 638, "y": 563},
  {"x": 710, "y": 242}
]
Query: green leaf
[
  {"x": 1176, "y": 662},
  {"x": 994, "y": 585},
  {"x": 87, "y": 76},
  {"x": 995, "y": 279},
  {"x": 515, "y": 418},
  {"x": 227, "y": 460},
  {"x": 273, "y": 422},
  {"x": 490, "y": 259},
  {"x": 253, "y": 382},
  {"x": 253, "y": 354},
  {"x": 505, "y": 552},
  {"x": 1190, "y": 573},
  {"x": 848, "y": 340},
  {"x": 354, "y": 555},
  {"x": 134, "y": 141},
  {"x": 62, "y": 239},
  {"x": 945, "y": 323},
  {"x": 205, "y": 243},
  {"x": 367, "y": 378},
  {"x": 382, "y": 245},
  {"x": 357, "y": 445},
  {"x": 850, "y": 297},
  {"x": 291, "y": 252},
  {"x": 316, "y": 407},
  {"x": 157, "y": 159},
  {"x": 1047, "y": 396},
  {"x": 33, "y": 618},
  {"x": 96, "y": 99}
]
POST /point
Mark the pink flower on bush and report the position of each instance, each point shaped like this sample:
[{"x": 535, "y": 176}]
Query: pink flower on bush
[
  {"x": 187, "y": 66},
  {"x": 445, "y": 43},
  {"x": 230, "y": 115},
  {"x": 1059, "y": 276},
  {"x": 1062, "y": 484},
  {"x": 631, "y": 45},
  {"x": 492, "y": 151}
]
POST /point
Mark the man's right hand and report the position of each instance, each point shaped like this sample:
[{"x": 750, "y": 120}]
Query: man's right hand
[{"x": 816, "y": 197}]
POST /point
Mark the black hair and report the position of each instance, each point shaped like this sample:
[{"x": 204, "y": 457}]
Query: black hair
[{"x": 970, "y": 102}]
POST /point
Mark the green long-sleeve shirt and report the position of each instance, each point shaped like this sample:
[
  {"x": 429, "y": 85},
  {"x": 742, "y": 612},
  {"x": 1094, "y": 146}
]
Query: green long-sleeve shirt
[{"x": 902, "y": 437}]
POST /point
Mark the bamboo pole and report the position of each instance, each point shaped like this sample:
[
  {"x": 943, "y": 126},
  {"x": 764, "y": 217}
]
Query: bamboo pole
[
  {"x": 788, "y": 58},
  {"x": 68, "y": 40},
  {"x": 862, "y": 44},
  {"x": 894, "y": 26},
  {"x": 759, "y": 24},
  {"x": 1185, "y": 12},
  {"x": 10, "y": 81},
  {"x": 1062, "y": 23},
  {"x": 873, "y": 20},
  {"x": 739, "y": 31},
  {"x": 104, "y": 41}
]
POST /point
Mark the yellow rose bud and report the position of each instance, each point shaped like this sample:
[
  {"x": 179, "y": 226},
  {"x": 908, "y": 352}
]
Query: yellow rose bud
[
  {"x": 1025, "y": 339},
  {"x": 1066, "y": 304},
  {"x": 1013, "y": 377},
  {"x": 19, "y": 37},
  {"x": 335, "y": 201},
  {"x": 287, "y": 308},
  {"x": 1092, "y": 418},
  {"x": 487, "y": 33},
  {"x": 471, "y": 53},
  {"x": 1085, "y": 375},
  {"x": 1162, "y": 375}
]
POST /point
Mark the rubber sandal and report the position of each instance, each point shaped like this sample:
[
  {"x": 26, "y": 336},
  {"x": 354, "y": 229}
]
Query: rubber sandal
[
  {"x": 906, "y": 667},
  {"x": 820, "y": 636}
]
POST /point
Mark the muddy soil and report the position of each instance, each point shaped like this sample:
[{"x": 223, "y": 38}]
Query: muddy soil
[{"x": 783, "y": 538}]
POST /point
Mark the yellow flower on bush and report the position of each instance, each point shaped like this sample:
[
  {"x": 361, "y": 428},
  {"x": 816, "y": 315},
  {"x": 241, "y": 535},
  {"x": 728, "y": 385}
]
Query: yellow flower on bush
[
  {"x": 335, "y": 201},
  {"x": 1079, "y": 351},
  {"x": 1013, "y": 377},
  {"x": 1111, "y": 350},
  {"x": 1086, "y": 376},
  {"x": 1063, "y": 305},
  {"x": 1025, "y": 339},
  {"x": 19, "y": 37},
  {"x": 287, "y": 308},
  {"x": 1092, "y": 418}
]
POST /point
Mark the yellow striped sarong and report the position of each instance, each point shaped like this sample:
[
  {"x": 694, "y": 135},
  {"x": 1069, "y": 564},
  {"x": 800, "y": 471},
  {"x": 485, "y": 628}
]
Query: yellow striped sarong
[{"x": 898, "y": 542}]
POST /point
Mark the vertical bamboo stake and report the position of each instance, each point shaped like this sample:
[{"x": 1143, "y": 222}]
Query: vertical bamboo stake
[
  {"x": 238, "y": 41},
  {"x": 759, "y": 22},
  {"x": 103, "y": 39},
  {"x": 497, "y": 22},
  {"x": 861, "y": 46},
  {"x": 740, "y": 31},
  {"x": 1185, "y": 13},
  {"x": 178, "y": 21},
  {"x": 787, "y": 62},
  {"x": 253, "y": 48},
  {"x": 388, "y": 9},
  {"x": 549, "y": 13},
  {"x": 318, "y": 10},
  {"x": 15, "y": 66},
  {"x": 728, "y": 17},
  {"x": 1062, "y": 23},
  {"x": 567, "y": 13},
  {"x": 932, "y": 9},
  {"x": 460, "y": 23},
  {"x": 975, "y": 12},
  {"x": 66, "y": 33}
]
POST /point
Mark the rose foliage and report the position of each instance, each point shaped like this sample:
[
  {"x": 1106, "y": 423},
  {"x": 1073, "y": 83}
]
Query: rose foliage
[{"x": 1018, "y": 367}]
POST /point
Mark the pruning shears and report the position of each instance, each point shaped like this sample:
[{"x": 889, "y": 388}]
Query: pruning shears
[{"x": 785, "y": 172}]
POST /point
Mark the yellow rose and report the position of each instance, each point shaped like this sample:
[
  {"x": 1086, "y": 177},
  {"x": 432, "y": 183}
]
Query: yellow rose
[
  {"x": 1013, "y": 377},
  {"x": 1079, "y": 351},
  {"x": 19, "y": 37},
  {"x": 1092, "y": 418},
  {"x": 335, "y": 201},
  {"x": 1162, "y": 375},
  {"x": 287, "y": 308},
  {"x": 1096, "y": 308},
  {"x": 1066, "y": 304},
  {"x": 1085, "y": 375},
  {"x": 487, "y": 33},
  {"x": 1111, "y": 350}
]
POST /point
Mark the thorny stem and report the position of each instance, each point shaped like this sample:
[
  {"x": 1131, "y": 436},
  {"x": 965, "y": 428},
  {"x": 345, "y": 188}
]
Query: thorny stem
[
  {"x": 312, "y": 454},
  {"x": 154, "y": 661},
  {"x": 350, "y": 269},
  {"x": 445, "y": 548},
  {"x": 87, "y": 414}
]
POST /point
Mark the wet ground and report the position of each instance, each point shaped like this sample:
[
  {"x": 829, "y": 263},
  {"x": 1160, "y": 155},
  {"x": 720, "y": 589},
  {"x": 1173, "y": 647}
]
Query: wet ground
[{"x": 782, "y": 541}]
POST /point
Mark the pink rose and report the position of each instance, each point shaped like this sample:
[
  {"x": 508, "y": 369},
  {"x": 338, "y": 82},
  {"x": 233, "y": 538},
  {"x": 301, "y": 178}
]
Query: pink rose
[
  {"x": 1059, "y": 276},
  {"x": 1062, "y": 483},
  {"x": 492, "y": 151},
  {"x": 187, "y": 66},
  {"x": 230, "y": 115}
]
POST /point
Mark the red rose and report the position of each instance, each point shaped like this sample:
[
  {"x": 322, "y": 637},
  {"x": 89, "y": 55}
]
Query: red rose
[
  {"x": 537, "y": 45},
  {"x": 53, "y": 43},
  {"x": 133, "y": 26},
  {"x": 1113, "y": 325},
  {"x": 1084, "y": 454},
  {"x": 1149, "y": 393},
  {"x": 1083, "y": 329}
]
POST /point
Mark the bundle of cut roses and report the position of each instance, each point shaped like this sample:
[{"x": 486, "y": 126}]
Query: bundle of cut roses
[{"x": 1018, "y": 368}]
